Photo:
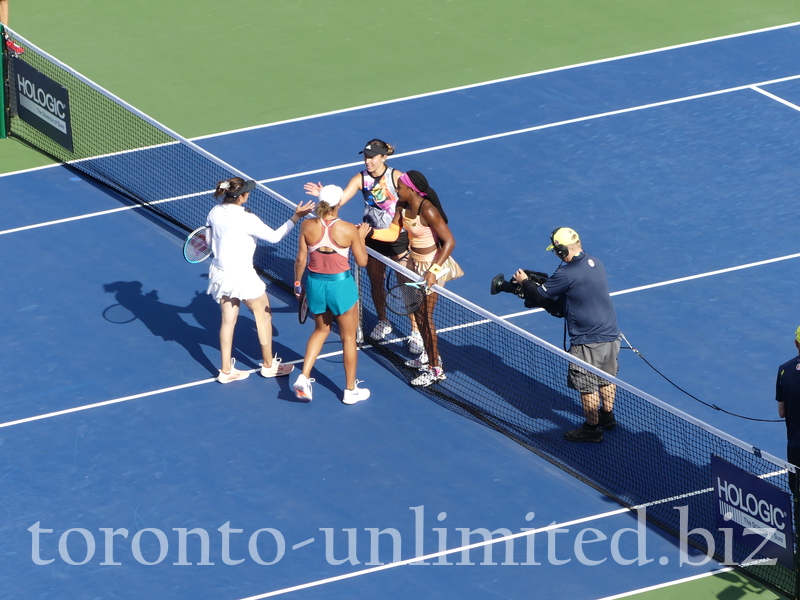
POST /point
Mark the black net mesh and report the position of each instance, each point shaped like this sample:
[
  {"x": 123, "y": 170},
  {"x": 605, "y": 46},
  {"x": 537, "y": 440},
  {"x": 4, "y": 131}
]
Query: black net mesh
[
  {"x": 509, "y": 380},
  {"x": 138, "y": 158}
]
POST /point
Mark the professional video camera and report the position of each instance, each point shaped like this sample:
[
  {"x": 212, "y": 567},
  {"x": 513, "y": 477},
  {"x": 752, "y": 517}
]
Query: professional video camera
[
  {"x": 499, "y": 283},
  {"x": 532, "y": 298}
]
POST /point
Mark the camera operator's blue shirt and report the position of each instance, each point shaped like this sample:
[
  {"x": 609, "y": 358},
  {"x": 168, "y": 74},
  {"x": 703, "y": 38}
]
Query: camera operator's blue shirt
[
  {"x": 787, "y": 390},
  {"x": 583, "y": 285}
]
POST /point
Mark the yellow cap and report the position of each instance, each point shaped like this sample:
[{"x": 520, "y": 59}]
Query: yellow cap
[
  {"x": 563, "y": 236},
  {"x": 797, "y": 334}
]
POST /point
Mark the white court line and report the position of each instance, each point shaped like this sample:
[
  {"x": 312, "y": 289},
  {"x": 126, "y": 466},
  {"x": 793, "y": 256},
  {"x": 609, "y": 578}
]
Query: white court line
[
  {"x": 668, "y": 584},
  {"x": 409, "y": 561},
  {"x": 499, "y": 540},
  {"x": 678, "y": 280},
  {"x": 102, "y": 213},
  {"x": 503, "y": 80},
  {"x": 69, "y": 219},
  {"x": 104, "y": 403},
  {"x": 708, "y": 274},
  {"x": 127, "y": 398},
  {"x": 495, "y": 136},
  {"x": 459, "y": 88},
  {"x": 182, "y": 386},
  {"x": 774, "y": 97},
  {"x": 443, "y": 330}
]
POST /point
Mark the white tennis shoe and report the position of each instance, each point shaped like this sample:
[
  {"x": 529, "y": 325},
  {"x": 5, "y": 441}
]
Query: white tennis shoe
[
  {"x": 355, "y": 395},
  {"x": 429, "y": 376},
  {"x": 278, "y": 369},
  {"x": 415, "y": 345},
  {"x": 418, "y": 363},
  {"x": 233, "y": 374},
  {"x": 302, "y": 388},
  {"x": 381, "y": 330}
]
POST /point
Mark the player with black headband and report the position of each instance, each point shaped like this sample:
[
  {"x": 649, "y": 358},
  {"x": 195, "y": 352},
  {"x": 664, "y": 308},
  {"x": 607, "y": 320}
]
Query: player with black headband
[
  {"x": 378, "y": 185},
  {"x": 580, "y": 288}
]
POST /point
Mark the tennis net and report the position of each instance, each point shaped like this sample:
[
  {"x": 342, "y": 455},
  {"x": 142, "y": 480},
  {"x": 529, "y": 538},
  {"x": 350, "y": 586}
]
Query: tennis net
[
  {"x": 64, "y": 115},
  {"x": 658, "y": 458},
  {"x": 497, "y": 374}
]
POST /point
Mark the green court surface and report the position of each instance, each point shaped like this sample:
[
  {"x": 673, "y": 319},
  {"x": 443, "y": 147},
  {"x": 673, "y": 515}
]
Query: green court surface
[
  {"x": 728, "y": 585},
  {"x": 208, "y": 68}
]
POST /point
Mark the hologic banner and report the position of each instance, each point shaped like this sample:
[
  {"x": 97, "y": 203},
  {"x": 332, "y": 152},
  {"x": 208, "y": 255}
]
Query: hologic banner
[
  {"x": 42, "y": 103},
  {"x": 759, "y": 514}
]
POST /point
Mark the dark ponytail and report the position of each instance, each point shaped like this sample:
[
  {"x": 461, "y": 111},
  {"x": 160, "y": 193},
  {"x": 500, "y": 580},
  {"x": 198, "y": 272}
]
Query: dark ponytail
[{"x": 227, "y": 191}]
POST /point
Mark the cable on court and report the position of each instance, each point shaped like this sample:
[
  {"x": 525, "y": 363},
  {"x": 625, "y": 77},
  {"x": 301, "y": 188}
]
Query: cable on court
[{"x": 693, "y": 397}]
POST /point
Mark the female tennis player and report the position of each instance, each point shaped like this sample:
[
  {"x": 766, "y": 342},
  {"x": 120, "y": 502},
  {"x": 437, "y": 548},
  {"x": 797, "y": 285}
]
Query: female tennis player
[
  {"x": 325, "y": 243},
  {"x": 232, "y": 278},
  {"x": 378, "y": 185},
  {"x": 420, "y": 213}
]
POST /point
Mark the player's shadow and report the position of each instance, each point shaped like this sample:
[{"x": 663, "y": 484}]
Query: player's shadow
[{"x": 164, "y": 320}]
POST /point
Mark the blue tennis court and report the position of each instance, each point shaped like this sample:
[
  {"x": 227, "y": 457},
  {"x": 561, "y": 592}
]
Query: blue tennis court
[{"x": 130, "y": 473}]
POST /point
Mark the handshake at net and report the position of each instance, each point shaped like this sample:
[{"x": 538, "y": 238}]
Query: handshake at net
[{"x": 525, "y": 284}]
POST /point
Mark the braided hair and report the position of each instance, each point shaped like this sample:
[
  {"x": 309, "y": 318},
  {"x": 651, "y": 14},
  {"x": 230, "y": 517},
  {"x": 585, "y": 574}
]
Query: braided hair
[{"x": 418, "y": 179}]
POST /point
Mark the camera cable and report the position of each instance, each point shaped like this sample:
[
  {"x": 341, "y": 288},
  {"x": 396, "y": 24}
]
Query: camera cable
[{"x": 714, "y": 406}]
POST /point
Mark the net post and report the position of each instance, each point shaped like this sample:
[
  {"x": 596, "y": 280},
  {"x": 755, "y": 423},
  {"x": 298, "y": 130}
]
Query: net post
[{"x": 3, "y": 102}]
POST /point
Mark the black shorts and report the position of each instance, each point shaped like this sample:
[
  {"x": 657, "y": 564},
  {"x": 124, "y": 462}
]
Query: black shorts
[
  {"x": 793, "y": 456},
  {"x": 390, "y": 249}
]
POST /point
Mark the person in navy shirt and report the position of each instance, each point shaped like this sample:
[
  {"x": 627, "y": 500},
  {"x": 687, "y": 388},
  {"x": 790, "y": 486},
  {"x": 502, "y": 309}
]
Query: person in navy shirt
[
  {"x": 580, "y": 284},
  {"x": 787, "y": 393}
]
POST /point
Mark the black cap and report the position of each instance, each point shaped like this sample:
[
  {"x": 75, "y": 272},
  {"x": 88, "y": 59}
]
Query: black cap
[
  {"x": 248, "y": 186},
  {"x": 371, "y": 150}
]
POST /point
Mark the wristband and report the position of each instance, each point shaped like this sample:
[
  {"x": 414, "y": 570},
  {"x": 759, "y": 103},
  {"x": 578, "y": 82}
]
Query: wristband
[
  {"x": 298, "y": 288},
  {"x": 435, "y": 269}
]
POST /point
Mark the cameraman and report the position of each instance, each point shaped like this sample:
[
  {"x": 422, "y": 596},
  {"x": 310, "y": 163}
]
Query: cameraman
[
  {"x": 524, "y": 284},
  {"x": 580, "y": 282}
]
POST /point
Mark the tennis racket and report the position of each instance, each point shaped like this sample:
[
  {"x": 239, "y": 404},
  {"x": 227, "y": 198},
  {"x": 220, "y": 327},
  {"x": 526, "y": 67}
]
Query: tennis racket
[
  {"x": 406, "y": 298},
  {"x": 197, "y": 247},
  {"x": 302, "y": 309}
]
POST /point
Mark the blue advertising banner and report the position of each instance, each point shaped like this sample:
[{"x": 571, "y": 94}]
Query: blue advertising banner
[
  {"x": 42, "y": 103},
  {"x": 759, "y": 514}
]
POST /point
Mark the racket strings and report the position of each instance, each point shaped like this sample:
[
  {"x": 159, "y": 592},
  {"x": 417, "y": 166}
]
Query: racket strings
[
  {"x": 405, "y": 298},
  {"x": 197, "y": 247}
]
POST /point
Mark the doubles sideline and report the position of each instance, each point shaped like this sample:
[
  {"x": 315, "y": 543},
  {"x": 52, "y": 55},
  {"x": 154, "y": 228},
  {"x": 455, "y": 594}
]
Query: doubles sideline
[
  {"x": 338, "y": 352},
  {"x": 753, "y": 87}
]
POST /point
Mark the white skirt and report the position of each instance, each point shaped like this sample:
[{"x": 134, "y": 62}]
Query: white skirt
[{"x": 242, "y": 285}]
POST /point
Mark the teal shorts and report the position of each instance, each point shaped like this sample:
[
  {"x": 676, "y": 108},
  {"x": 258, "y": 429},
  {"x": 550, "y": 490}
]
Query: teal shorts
[{"x": 336, "y": 293}]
